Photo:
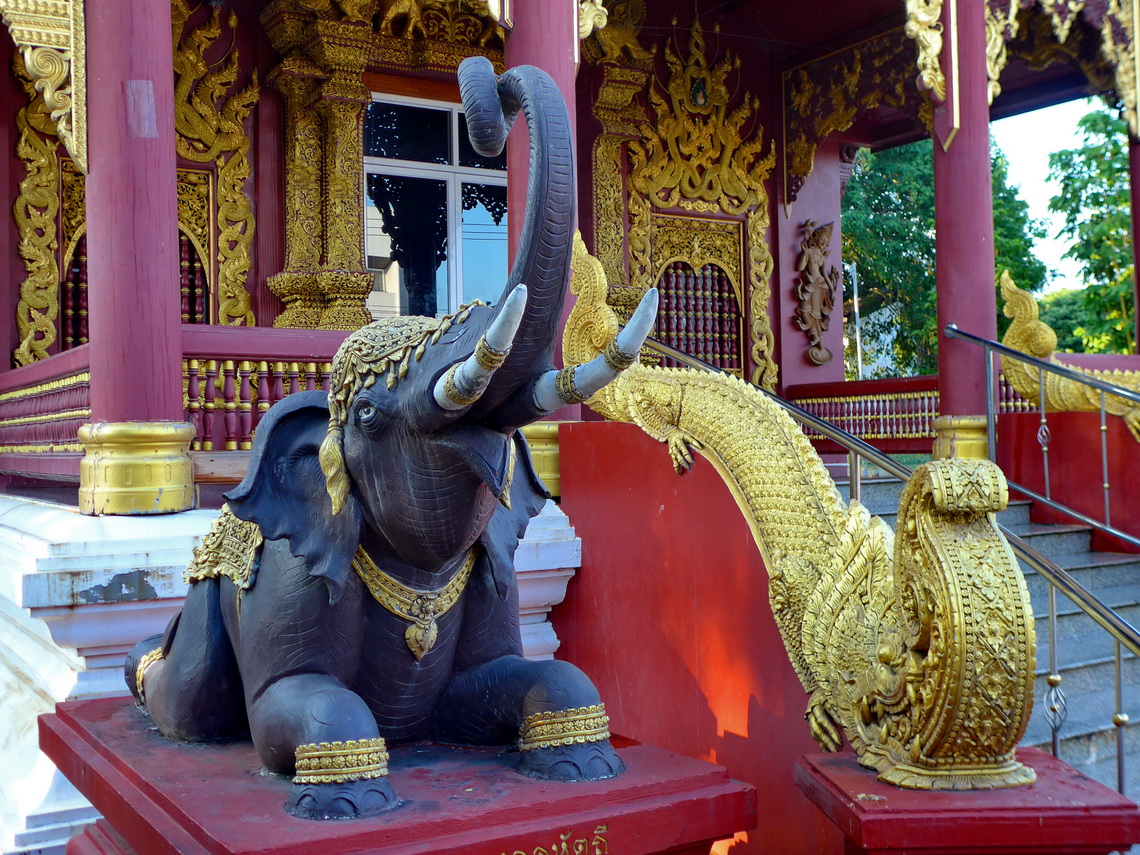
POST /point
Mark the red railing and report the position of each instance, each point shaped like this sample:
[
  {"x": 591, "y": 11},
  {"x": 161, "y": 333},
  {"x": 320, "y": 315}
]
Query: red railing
[{"x": 231, "y": 380}]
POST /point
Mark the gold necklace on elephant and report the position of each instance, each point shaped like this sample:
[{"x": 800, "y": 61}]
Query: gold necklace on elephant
[{"x": 421, "y": 607}]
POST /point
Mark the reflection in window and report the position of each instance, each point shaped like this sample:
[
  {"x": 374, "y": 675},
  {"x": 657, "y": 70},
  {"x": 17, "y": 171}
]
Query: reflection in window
[
  {"x": 435, "y": 211},
  {"x": 484, "y": 233},
  {"x": 413, "y": 216}
]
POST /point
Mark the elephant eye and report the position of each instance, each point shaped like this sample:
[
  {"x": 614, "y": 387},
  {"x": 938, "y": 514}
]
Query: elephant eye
[{"x": 369, "y": 418}]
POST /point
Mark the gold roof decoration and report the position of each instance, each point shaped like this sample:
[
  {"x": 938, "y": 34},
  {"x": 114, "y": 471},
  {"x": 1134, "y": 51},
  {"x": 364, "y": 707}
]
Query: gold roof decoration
[{"x": 50, "y": 38}]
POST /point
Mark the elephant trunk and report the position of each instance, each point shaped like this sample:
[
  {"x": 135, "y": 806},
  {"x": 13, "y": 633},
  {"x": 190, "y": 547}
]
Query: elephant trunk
[{"x": 542, "y": 261}]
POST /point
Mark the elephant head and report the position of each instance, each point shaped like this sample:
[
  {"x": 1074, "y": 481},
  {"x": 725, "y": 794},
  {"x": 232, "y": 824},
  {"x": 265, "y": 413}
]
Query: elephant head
[{"x": 414, "y": 453}]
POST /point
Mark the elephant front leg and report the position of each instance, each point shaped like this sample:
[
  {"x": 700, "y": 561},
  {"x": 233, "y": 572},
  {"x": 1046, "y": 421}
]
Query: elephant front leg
[
  {"x": 312, "y": 726},
  {"x": 551, "y": 708}
]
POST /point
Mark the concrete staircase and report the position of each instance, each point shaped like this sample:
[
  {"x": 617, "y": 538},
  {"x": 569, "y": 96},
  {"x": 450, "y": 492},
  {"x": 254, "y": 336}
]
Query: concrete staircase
[{"x": 1085, "y": 652}]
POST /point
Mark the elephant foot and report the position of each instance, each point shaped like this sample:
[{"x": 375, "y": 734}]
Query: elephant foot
[
  {"x": 592, "y": 761},
  {"x": 347, "y": 800}
]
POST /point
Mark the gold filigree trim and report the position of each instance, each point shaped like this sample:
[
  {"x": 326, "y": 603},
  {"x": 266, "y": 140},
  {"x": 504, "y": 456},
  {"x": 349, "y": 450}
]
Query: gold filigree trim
[
  {"x": 48, "y": 386},
  {"x": 143, "y": 666},
  {"x": 616, "y": 358},
  {"x": 566, "y": 387},
  {"x": 575, "y": 726},
  {"x": 341, "y": 762},
  {"x": 421, "y": 606},
  {"x": 229, "y": 549}
]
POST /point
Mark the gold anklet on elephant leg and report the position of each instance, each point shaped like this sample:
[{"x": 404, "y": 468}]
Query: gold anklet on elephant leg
[
  {"x": 339, "y": 762},
  {"x": 575, "y": 726},
  {"x": 140, "y": 672}
]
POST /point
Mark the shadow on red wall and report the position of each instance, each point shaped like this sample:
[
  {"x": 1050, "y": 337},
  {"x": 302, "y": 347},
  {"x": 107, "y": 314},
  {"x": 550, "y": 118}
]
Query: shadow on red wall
[{"x": 670, "y": 617}]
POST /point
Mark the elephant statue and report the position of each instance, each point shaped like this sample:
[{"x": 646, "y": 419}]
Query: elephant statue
[{"x": 358, "y": 588}]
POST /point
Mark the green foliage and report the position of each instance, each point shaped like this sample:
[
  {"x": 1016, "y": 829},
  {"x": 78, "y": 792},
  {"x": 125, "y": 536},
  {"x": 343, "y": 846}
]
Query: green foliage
[
  {"x": 1094, "y": 201},
  {"x": 888, "y": 233},
  {"x": 1065, "y": 312}
]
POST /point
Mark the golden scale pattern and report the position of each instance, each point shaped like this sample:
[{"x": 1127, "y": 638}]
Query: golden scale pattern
[
  {"x": 1036, "y": 338},
  {"x": 695, "y": 156},
  {"x": 922, "y": 650}
]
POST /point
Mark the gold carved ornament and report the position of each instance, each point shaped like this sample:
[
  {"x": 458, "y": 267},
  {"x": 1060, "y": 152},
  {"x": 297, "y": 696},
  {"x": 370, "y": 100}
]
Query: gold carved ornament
[
  {"x": 1001, "y": 25},
  {"x": 35, "y": 212},
  {"x": 1036, "y": 338},
  {"x": 341, "y": 762},
  {"x": 52, "y": 46},
  {"x": 922, "y": 649},
  {"x": 229, "y": 549},
  {"x": 209, "y": 124},
  {"x": 696, "y": 155},
  {"x": 437, "y": 34},
  {"x": 825, "y": 96},
  {"x": 924, "y": 26},
  {"x": 421, "y": 607},
  {"x": 140, "y": 671}
]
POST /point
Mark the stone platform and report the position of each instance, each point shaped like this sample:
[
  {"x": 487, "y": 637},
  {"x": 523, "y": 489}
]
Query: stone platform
[
  {"x": 1064, "y": 813},
  {"x": 161, "y": 798}
]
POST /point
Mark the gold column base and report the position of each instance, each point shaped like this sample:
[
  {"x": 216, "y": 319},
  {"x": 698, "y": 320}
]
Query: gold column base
[
  {"x": 542, "y": 437},
  {"x": 345, "y": 293},
  {"x": 136, "y": 468},
  {"x": 962, "y": 437},
  {"x": 302, "y": 296}
]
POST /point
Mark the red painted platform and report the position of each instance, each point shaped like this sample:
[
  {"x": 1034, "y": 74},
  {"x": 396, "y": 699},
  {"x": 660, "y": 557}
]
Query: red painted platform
[
  {"x": 1063, "y": 812},
  {"x": 160, "y": 798}
]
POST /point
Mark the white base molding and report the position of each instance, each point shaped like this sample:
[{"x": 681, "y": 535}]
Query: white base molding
[{"x": 77, "y": 592}]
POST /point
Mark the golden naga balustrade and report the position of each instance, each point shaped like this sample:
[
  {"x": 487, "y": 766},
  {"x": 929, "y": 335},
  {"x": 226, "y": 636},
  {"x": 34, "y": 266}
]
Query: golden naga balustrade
[
  {"x": 920, "y": 646},
  {"x": 1060, "y": 394}
]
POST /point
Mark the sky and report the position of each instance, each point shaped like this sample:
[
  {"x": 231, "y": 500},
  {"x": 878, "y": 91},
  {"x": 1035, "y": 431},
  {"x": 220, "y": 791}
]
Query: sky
[{"x": 1027, "y": 141}]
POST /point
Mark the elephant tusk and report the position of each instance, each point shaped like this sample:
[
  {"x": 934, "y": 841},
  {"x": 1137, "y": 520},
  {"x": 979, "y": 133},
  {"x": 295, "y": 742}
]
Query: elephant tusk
[
  {"x": 463, "y": 383},
  {"x": 576, "y": 383}
]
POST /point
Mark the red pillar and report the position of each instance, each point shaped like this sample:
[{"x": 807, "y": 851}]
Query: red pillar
[
  {"x": 545, "y": 35},
  {"x": 1134, "y": 204},
  {"x": 132, "y": 217},
  {"x": 965, "y": 232}
]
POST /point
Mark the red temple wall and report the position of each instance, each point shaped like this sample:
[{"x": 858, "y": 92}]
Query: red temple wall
[{"x": 669, "y": 615}]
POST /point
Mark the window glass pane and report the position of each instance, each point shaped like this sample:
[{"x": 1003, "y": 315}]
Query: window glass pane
[
  {"x": 413, "y": 218},
  {"x": 471, "y": 158},
  {"x": 484, "y": 234},
  {"x": 407, "y": 133}
]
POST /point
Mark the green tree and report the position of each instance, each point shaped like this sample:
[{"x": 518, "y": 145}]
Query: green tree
[
  {"x": 888, "y": 233},
  {"x": 1065, "y": 312},
  {"x": 1094, "y": 201}
]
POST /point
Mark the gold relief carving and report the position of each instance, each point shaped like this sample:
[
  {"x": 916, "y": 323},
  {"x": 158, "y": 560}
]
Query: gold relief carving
[
  {"x": 194, "y": 208},
  {"x": 697, "y": 242},
  {"x": 1036, "y": 338},
  {"x": 697, "y": 153},
  {"x": 1063, "y": 13},
  {"x": 567, "y": 843},
  {"x": 1120, "y": 21},
  {"x": 50, "y": 35},
  {"x": 35, "y": 214},
  {"x": 229, "y": 549},
  {"x": 825, "y": 97},
  {"x": 463, "y": 22},
  {"x": 815, "y": 289},
  {"x": 1001, "y": 26},
  {"x": 136, "y": 468},
  {"x": 920, "y": 648},
  {"x": 924, "y": 25},
  {"x": 343, "y": 293},
  {"x": 209, "y": 123},
  {"x": 617, "y": 42},
  {"x": 73, "y": 208}
]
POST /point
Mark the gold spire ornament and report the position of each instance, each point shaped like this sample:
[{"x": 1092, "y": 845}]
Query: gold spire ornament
[{"x": 422, "y": 607}]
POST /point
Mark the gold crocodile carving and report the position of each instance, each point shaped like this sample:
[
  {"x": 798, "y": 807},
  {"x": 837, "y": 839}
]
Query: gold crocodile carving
[
  {"x": 921, "y": 647},
  {"x": 1036, "y": 338}
]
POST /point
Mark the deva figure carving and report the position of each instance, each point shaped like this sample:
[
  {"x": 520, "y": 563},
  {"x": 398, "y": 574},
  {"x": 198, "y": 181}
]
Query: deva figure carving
[{"x": 359, "y": 587}]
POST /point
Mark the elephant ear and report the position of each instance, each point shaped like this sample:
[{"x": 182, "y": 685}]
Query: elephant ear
[
  {"x": 508, "y": 525},
  {"x": 284, "y": 490}
]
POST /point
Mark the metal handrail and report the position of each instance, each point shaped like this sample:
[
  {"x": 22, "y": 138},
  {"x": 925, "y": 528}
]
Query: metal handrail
[
  {"x": 952, "y": 331},
  {"x": 1115, "y": 625},
  {"x": 1105, "y": 388}
]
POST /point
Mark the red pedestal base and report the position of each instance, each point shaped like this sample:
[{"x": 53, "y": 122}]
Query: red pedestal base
[
  {"x": 1064, "y": 812},
  {"x": 159, "y": 797}
]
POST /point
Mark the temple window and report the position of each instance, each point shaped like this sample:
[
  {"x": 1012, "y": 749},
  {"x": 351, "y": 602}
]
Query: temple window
[{"x": 435, "y": 210}]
